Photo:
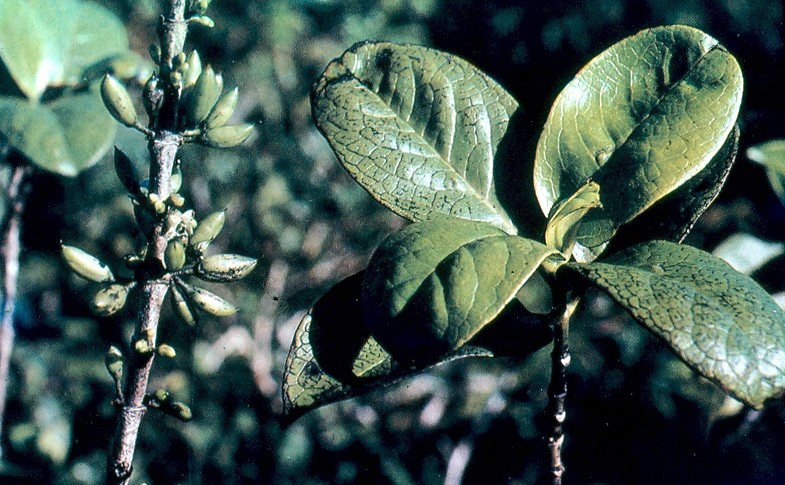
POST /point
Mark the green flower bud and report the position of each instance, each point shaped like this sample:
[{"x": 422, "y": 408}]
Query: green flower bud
[
  {"x": 166, "y": 351},
  {"x": 194, "y": 70},
  {"x": 207, "y": 230},
  {"x": 225, "y": 267},
  {"x": 223, "y": 109},
  {"x": 126, "y": 171},
  {"x": 177, "y": 200},
  {"x": 161, "y": 395},
  {"x": 118, "y": 101},
  {"x": 86, "y": 265},
  {"x": 226, "y": 136},
  {"x": 210, "y": 302},
  {"x": 178, "y": 410},
  {"x": 174, "y": 255},
  {"x": 152, "y": 97},
  {"x": 114, "y": 363},
  {"x": 142, "y": 347},
  {"x": 179, "y": 60},
  {"x": 183, "y": 307},
  {"x": 203, "y": 95},
  {"x": 109, "y": 300},
  {"x": 203, "y": 20},
  {"x": 177, "y": 177}
]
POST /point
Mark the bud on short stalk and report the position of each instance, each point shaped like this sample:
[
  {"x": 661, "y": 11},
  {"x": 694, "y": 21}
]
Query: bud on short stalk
[
  {"x": 225, "y": 267},
  {"x": 226, "y": 136},
  {"x": 118, "y": 101},
  {"x": 86, "y": 265},
  {"x": 203, "y": 95},
  {"x": 109, "y": 300},
  {"x": 207, "y": 230}
]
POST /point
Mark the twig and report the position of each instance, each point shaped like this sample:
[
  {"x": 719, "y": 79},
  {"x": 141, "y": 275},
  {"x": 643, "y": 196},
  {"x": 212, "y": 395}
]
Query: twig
[
  {"x": 557, "y": 389},
  {"x": 16, "y": 196},
  {"x": 163, "y": 147}
]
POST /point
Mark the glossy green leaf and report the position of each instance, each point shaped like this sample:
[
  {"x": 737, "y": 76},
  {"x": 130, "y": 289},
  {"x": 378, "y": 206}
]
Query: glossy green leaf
[
  {"x": 418, "y": 128},
  {"x": 432, "y": 286},
  {"x": 45, "y": 43},
  {"x": 65, "y": 136},
  {"x": 771, "y": 154},
  {"x": 640, "y": 119},
  {"x": 672, "y": 217},
  {"x": 333, "y": 357},
  {"x": 719, "y": 321}
]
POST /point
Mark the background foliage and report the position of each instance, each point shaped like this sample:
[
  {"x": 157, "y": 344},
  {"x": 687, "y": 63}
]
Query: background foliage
[{"x": 637, "y": 414}]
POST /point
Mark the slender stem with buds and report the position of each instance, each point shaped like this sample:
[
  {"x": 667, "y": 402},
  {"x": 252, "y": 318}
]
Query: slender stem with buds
[
  {"x": 557, "y": 390},
  {"x": 16, "y": 195},
  {"x": 163, "y": 147}
]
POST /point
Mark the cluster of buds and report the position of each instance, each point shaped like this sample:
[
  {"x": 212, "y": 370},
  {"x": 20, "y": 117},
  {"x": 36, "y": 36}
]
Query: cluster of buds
[
  {"x": 204, "y": 108},
  {"x": 188, "y": 100},
  {"x": 187, "y": 243}
]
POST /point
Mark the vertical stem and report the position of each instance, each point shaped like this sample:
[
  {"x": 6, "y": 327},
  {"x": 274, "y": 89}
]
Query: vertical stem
[
  {"x": 163, "y": 147},
  {"x": 557, "y": 390},
  {"x": 16, "y": 195}
]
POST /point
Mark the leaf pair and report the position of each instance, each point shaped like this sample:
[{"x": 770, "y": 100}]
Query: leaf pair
[
  {"x": 47, "y": 44},
  {"x": 635, "y": 148}
]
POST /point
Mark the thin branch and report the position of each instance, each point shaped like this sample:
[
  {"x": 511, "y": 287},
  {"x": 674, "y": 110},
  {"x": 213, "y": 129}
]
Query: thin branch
[
  {"x": 16, "y": 196},
  {"x": 557, "y": 390},
  {"x": 163, "y": 147}
]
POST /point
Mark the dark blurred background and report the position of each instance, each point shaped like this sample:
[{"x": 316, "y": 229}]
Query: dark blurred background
[{"x": 636, "y": 414}]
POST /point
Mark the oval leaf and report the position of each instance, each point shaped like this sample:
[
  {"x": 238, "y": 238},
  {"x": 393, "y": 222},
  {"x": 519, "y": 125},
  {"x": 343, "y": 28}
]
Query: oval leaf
[
  {"x": 433, "y": 285},
  {"x": 333, "y": 357},
  {"x": 640, "y": 119},
  {"x": 65, "y": 137},
  {"x": 44, "y": 43},
  {"x": 672, "y": 217},
  {"x": 719, "y": 321},
  {"x": 417, "y": 128}
]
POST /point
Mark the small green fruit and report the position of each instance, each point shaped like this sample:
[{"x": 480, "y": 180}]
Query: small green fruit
[
  {"x": 118, "y": 101},
  {"x": 86, "y": 265}
]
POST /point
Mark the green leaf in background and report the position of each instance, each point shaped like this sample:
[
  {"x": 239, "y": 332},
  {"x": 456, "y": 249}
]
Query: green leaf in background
[
  {"x": 640, "y": 119},
  {"x": 333, "y": 356},
  {"x": 417, "y": 128},
  {"x": 65, "y": 136},
  {"x": 719, "y": 321},
  {"x": 771, "y": 154},
  {"x": 45, "y": 43},
  {"x": 432, "y": 286}
]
